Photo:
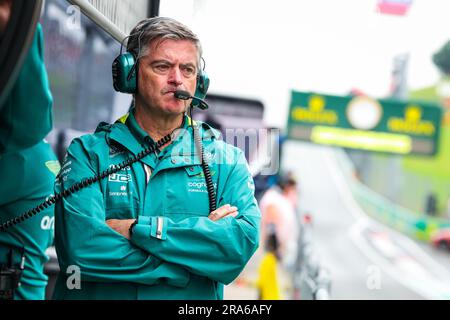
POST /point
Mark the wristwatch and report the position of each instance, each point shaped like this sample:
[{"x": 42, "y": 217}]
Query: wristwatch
[{"x": 132, "y": 226}]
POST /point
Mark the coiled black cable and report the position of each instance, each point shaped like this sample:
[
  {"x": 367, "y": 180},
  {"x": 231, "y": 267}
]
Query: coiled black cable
[
  {"x": 84, "y": 183},
  {"x": 205, "y": 166}
]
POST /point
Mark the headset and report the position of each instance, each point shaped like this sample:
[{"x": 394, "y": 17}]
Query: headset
[{"x": 125, "y": 70}]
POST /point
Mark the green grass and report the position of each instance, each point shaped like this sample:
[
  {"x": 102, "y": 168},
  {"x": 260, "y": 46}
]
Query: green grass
[
  {"x": 434, "y": 172},
  {"x": 438, "y": 166},
  {"x": 425, "y": 94}
]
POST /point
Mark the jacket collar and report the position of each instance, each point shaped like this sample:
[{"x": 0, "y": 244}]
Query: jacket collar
[{"x": 181, "y": 152}]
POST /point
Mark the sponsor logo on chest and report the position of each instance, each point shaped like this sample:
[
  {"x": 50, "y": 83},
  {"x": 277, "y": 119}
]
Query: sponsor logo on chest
[
  {"x": 198, "y": 185},
  {"x": 119, "y": 183}
]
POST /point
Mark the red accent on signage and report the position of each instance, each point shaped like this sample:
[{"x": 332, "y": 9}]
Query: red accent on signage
[{"x": 399, "y": 8}]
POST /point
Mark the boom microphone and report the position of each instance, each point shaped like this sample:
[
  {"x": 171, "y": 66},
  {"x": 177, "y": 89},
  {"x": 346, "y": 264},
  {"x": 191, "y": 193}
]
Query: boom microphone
[{"x": 184, "y": 95}]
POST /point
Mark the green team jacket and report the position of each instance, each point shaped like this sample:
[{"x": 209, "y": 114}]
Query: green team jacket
[
  {"x": 27, "y": 180},
  {"x": 26, "y": 114},
  {"x": 28, "y": 167},
  {"x": 175, "y": 252}
]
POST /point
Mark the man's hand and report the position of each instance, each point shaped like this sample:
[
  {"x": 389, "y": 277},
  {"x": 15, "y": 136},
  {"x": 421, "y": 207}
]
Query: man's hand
[
  {"x": 222, "y": 212},
  {"x": 121, "y": 226}
]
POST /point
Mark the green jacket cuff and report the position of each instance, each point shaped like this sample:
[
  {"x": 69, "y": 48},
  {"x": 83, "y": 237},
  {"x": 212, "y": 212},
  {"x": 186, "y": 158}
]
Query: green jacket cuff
[
  {"x": 147, "y": 227},
  {"x": 159, "y": 228}
]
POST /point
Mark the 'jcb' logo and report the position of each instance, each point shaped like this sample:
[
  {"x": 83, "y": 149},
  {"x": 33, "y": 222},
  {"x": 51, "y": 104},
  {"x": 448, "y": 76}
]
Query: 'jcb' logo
[{"x": 118, "y": 177}]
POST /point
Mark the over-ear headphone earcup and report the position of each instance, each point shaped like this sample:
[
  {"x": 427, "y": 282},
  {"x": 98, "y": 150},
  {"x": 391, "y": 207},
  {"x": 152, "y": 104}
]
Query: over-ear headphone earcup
[
  {"x": 201, "y": 88},
  {"x": 124, "y": 73}
]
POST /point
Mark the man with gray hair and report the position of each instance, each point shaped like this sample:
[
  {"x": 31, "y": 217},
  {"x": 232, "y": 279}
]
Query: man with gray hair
[{"x": 177, "y": 221}]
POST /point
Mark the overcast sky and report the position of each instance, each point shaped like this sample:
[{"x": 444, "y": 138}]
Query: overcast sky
[{"x": 263, "y": 48}]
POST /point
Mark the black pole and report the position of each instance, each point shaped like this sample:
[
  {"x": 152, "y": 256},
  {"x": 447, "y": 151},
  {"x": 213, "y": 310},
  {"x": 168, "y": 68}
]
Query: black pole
[{"x": 153, "y": 8}]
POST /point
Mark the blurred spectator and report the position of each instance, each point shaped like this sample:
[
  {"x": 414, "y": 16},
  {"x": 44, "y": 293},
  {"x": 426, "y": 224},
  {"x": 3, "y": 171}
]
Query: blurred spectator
[
  {"x": 278, "y": 208},
  {"x": 268, "y": 285},
  {"x": 431, "y": 204}
]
